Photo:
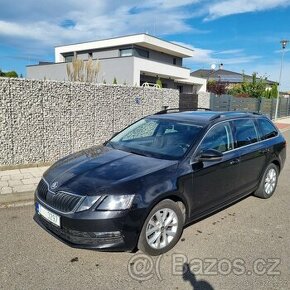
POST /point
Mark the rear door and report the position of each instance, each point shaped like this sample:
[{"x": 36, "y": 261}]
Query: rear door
[{"x": 252, "y": 154}]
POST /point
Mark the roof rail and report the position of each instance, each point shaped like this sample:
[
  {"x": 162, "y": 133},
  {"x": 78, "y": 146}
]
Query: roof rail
[
  {"x": 166, "y": 110},
  {"x": 221, "y": 114},
  {"x": 201, "y": 108}
]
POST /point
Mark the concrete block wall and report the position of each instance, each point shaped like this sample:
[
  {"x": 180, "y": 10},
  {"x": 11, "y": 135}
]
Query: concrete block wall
[{"x": 41, "y": 121}]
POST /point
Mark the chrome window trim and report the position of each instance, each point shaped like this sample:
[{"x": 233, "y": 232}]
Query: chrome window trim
[
  {"x": 69, "y": 193},
  {"x": 238, "y": 148}
]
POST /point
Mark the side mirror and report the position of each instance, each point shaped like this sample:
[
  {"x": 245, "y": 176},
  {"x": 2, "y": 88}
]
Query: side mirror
[{"x": 210, "y": 155}]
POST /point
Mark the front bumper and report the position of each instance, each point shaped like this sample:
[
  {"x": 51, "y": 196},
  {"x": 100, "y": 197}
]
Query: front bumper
[{"x": 99, "y": 230}]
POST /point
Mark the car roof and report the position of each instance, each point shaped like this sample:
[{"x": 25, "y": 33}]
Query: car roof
[{"x": 203, "y": 117}]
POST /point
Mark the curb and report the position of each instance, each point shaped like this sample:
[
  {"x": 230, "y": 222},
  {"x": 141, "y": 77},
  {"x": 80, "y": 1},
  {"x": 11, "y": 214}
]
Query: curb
[{"x": 16, "y": 199}]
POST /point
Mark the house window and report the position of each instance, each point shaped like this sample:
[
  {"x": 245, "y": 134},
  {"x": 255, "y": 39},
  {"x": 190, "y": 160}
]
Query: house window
[
  {"x": 174, "y": 61},
  {"x": 126, "y": 52},
  {"x": 68, "y": 58},
  {"x": 142, "y": 52}
]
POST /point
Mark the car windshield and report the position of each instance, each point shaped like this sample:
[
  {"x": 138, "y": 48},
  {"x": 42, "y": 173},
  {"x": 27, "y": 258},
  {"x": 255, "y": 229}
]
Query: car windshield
[{"x": 157, "y": 137}]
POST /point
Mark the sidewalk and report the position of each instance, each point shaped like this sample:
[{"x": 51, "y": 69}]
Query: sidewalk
[
  {"x": 283, "y": 124},
  {"x": 18, "y": 185}
]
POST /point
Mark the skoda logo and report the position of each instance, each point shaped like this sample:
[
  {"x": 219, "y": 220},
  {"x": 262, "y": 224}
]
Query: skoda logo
[{"x": 54, "y": 185}]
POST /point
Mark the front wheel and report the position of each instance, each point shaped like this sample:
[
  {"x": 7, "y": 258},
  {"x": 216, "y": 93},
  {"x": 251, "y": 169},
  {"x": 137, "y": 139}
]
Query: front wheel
[
  {"x": 162, "y": 228},
  {"x": 269, "y": 182}
]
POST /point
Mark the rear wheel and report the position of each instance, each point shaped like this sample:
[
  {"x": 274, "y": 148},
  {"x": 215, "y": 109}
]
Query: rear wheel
[
  {"x": 269, "y": 182},
  {"x": 162, "y": 228}
]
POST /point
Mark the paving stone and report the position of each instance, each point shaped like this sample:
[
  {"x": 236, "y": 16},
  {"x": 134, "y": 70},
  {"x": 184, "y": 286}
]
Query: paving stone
[
  {"x": 3, "y": 183},
  {"x": 6, "y": 190},
  {"x": 5, "y": 177},
  {"x": 37, "y": 175},
  {"x": 16, "y": 177},
  {"x": 24, "y": 188},
  {"x": 27, "y": 175},
  {"x": 9, "y": 172},
  {"x": 14, "y": 182},
  {"x": 31, "y": 181}
]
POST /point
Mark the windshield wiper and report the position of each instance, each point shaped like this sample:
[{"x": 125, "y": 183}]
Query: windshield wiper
[
  {"x": 110, "y": 144},
  {"x": 137, "y": 153}
]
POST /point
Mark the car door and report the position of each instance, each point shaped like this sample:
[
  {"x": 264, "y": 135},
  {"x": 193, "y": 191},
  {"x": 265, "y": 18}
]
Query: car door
[
  {"x": 252, "y": 154},
  {"x": 214, "y": 182}
]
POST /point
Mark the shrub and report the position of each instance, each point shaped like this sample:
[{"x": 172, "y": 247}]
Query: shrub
[
  {"x": 159, "y": 82},
  {"x": 9, "y": 74},
  {"x": 217, "y": 88},
  {"x": 81, "y": 71}
]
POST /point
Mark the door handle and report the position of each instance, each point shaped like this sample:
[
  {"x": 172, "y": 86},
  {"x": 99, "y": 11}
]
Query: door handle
[{"x": 234, "y": 161}]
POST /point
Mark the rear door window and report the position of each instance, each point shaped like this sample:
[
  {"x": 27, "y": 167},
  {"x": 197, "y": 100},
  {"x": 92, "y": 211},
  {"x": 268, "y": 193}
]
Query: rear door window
[
  {"x": 267, "y": 129},
  {"x": 245, "y": 131}
]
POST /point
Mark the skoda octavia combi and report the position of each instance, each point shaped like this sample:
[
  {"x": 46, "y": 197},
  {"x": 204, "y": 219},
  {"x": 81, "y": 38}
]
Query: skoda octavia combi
[{"x": 139, "y": 189}]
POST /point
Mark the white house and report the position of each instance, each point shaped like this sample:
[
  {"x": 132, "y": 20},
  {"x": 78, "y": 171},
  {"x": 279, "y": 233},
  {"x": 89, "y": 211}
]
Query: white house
[{"x": 133, "y": 59}]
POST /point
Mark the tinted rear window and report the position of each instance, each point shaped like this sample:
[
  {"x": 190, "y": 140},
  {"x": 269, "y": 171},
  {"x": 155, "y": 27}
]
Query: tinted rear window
[
  {"x": 246, "y": 132},
  {"x": 267, "y": 129}
]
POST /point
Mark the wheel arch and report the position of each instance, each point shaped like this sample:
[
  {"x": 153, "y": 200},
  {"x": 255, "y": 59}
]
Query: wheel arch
[{"x": 277, "y": 163}]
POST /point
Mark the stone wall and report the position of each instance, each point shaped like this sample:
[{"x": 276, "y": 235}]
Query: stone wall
[
  {"x": 204, "y": 100},
  {"x": 41, "y": 121}
]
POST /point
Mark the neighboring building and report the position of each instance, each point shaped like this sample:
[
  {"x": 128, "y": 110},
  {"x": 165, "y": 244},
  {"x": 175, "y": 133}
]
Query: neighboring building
[
  {"x": 225, "y": 76},
  {"x": 132, "y": 59}
]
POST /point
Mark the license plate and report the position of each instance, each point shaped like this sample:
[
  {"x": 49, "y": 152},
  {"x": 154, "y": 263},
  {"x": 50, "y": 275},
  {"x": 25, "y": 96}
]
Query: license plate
[{"x": 47, "y": 214}]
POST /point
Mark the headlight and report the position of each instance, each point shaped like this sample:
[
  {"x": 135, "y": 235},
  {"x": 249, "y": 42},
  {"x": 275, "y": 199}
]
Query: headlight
[
  {"x": 88, "y": 202},
  {"x": 116, "y": 202}
]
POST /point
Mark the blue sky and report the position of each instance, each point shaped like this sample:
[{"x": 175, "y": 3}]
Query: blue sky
[{"x": 244, "y": 35}]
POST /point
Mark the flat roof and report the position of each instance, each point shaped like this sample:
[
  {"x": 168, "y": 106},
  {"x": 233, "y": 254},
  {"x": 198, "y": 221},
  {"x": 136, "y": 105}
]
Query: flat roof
[{"x": 143, "y": 40}]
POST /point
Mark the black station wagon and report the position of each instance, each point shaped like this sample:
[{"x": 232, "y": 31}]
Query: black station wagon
[{"x": 139, "y": 189}]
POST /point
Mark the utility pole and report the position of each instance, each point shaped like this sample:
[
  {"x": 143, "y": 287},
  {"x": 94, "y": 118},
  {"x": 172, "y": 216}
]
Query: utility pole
[{"x": 284, "y": 44}]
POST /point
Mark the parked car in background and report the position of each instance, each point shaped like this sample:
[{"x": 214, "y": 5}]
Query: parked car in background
[{"x": 140, "y": 188}]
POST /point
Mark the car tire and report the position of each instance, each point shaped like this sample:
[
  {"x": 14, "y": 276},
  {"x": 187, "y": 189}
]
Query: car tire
[
  {"x": 268, "y": 182},
  {"x": 162, "y": 228}
]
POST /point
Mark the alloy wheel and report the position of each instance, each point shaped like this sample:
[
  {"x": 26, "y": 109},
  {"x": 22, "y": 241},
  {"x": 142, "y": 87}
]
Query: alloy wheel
[
  {"x": 270, "y": 181},
  {"x": 161, "y": 228}
]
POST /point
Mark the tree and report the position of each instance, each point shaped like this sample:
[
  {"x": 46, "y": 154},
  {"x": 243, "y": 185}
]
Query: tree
[
  {"x": 9, "y": 74},
  {"x": 274, "y": 91},
  {"x": 115, "y": 81},
  {"x": 216, "y": 87},
  {"x": 256, "y": 88}
]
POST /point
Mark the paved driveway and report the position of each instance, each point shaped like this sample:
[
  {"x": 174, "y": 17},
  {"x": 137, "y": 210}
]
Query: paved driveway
[{"x": 246, "y": 246}]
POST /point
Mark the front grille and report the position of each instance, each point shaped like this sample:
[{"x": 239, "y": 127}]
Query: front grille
[
  {"x": 60, "y": 200},
  {"x": 42, "y": 190}
]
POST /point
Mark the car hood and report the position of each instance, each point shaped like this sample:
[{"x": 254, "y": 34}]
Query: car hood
[{"x": 98, "y": 168}]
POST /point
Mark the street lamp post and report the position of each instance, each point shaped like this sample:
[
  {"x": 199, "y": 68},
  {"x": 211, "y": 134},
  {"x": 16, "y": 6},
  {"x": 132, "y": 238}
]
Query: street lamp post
[{"x": 284, "y": 44}]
